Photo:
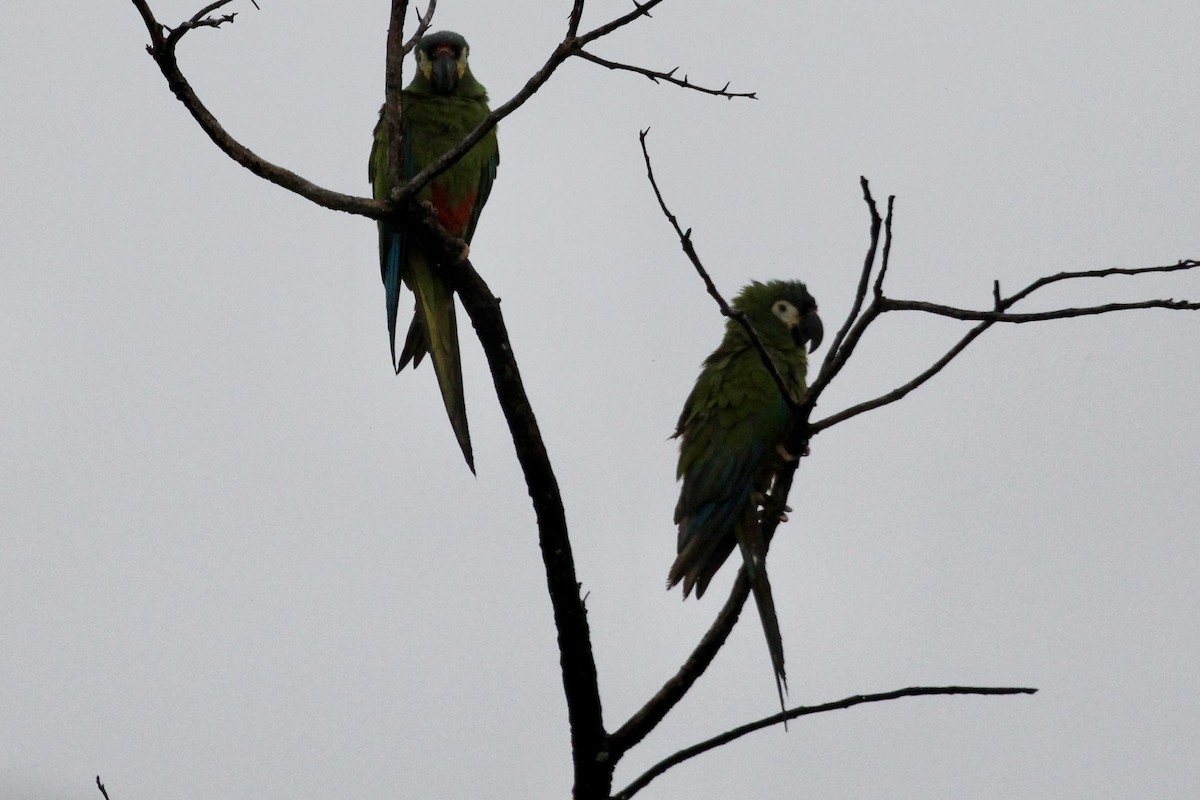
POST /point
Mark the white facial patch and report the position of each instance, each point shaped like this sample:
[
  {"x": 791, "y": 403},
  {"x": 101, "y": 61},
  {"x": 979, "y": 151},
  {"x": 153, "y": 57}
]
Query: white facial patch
[{"x": 788, "y": 313}]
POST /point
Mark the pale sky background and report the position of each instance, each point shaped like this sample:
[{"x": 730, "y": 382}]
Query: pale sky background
[{"x": 239, "y": 558}]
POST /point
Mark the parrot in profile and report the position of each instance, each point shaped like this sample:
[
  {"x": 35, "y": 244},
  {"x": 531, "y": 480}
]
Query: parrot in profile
[
  {"x": 731, "y": 436},
  {"x": 441, "y": 105}
]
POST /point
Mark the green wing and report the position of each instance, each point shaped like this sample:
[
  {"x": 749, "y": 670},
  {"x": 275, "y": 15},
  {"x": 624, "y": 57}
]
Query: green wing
[{"x": 729, "y": 427}]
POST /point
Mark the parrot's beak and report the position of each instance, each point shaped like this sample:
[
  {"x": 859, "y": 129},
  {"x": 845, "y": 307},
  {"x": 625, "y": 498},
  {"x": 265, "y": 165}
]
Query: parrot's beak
[
  {"x": 444, "y": 72},
  {"x": 810, "y": 329}
]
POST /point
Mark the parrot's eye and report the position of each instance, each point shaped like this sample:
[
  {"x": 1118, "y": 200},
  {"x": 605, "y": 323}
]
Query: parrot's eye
[{"x": 786, "y": 312}]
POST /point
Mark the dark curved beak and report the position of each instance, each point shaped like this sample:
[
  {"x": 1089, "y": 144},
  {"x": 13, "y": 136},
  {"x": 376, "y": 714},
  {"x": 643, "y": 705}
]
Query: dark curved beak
[
  {"x": 810, "y": 330},
  {"x": 444, "y": 72}
]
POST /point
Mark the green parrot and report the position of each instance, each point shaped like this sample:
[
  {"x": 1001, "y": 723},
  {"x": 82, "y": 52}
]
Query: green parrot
[
  {"x": 731, "y": 444},
  {"x": 441, "y": 105}
]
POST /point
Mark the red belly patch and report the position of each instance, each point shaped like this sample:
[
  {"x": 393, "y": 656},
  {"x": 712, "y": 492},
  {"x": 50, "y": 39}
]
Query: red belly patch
[{"x": 453, "y": 212}]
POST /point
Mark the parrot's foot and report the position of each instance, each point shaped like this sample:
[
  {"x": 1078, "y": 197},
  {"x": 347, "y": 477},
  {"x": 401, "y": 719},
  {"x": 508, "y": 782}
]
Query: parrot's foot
[
  {"x": 465, "y": 252},
  {"x": 789, "y": 456},
  {"x": 782, "y": 515},
  {"x": 760, "y": 500}
]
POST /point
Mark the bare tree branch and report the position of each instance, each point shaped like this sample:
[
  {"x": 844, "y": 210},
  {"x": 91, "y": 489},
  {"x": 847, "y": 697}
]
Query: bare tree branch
[
  {"x": 1095, "y": 273},
  {"x": 685, "y": 240},
  {"x": 890, "y": 304},
  {"x": 201, "y": 19},
  {"x": 162, "y": 50},
  {"x": 847, "y": 337},
  {"x": 900, "y": 391},
  {"x": 640, "y": 10},
  {"x": 423, "y": 23},
  {"x": 100, "y": 786},
  {"x": 393, "y": 86},
  {"x": 638, "y": 726},
  {"x": 668, "y": 77},
  {"x": 709, "y": 744},
  {"x": 864, "y": 277},
  {"x": 575, "y": 17},
  {"x": 593, "y": 771},
  {"x": 1000, "y": 313},
  {"x": 887, "y": 248}
]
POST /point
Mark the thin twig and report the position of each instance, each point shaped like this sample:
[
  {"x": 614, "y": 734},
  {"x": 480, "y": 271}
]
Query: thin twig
[
  {"x": 640, "y": 10},
  {"x": 201, "y": 19},
  {"x": 843, "y": 344},
  {"x": 575, "y": 17},
  {"x": 1099, "y": 273},
  {"x": 890, "y": 304},
  {"x": 900, "y": 391},
  {"x": 162, "y": 51},
  {"x": 1000, "y": 314},
  {"x": 100, "y": 786},
  {"x": 864, "y": 277},
  {"x": 685, "y": 240},
  {"x": 708, "y": 744},
  {"x": 887, "y": 248},
  {"x": 423, "y": 23},
  {"x": 667, "y": 77}
]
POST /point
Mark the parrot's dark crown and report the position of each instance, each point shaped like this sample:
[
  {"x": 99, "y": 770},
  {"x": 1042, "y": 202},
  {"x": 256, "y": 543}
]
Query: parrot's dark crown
[
  {"x": 787, "y": 301},
  {"x": 758, "y": 293},
  {"x": 443, "y": 40}
]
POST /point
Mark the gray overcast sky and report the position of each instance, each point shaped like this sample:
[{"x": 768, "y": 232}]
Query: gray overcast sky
[{"x": 240, "y": 558}]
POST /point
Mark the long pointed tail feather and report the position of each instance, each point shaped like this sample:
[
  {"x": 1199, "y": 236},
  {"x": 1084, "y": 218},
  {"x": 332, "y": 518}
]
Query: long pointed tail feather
[
  {"x": 754, "y": 553},
  {"x": 435, "y": 304},
  {"x": 761, "y": 588}
]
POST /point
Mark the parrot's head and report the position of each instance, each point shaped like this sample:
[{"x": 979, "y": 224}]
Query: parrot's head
[
  {"x": 782, "y": 308},
  {"x": 442, "y": 59}
]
